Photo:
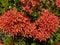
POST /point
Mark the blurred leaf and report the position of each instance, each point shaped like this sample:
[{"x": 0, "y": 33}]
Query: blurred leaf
[
  {"x": 22, "y": 42},
  {"x": 58, "y": 38},
  {"x": 33, "y": 43},
  {"x": 51, "y": 42},
  {"x": 16, "y": 43},
  {"x": 4, "y": 3},
  {"x": 1, "y": 32},
  {"x": 7, "y": 41}
]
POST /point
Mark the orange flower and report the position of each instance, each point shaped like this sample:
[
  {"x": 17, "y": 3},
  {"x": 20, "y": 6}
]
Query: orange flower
[
  {"x": 31, "y": 4},
  {"x": 47, "y": 24},
  {"x": 57, "y": 3},
  {"x": 12, "y": 22},
  {"x": 28, "y": 9}
]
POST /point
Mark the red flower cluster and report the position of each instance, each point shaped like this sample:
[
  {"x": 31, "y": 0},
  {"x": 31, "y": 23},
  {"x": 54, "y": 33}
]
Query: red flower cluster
[
  {"x": 29, "y": 4},
  {"x": 28, "y": 9},
  {"x": 51, "y": 22},
  {"x": 58, "y": 3},
  {"x": 47, "y": 24},
  {"x": 13, "y": 22}
]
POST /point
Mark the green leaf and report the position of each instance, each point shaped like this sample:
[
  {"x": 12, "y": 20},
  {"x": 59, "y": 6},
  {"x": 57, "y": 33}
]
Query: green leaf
[
  {"x": 33, "y": 43},
  {"x": 51, "y": 42},
  {"x": 58, "y": 37},
  {"x": 22, "y": 42},
  {"x": 8, "y": 41},
  {"x": 4, "y": 3}
]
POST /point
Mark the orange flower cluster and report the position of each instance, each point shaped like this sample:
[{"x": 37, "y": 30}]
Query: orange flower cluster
[
  {"x": 28, "y": 9},
  {"x": 51, "y": 22},
  {"x": 58, "y": 3},
  {"x": 32, "y": 3},
  {"x": 29, "y": 4},
  {"x": 13, "y": 22},
  {"x": 47, "y": 24}
]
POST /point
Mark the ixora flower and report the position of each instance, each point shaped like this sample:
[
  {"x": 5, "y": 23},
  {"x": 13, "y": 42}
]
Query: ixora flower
[
  {"x": 58, "y": 3},
  {"x": 47, "y": 25},
  {"x": 29, "y": 5},
  {"x": 13, "y": 22},
  {"x": 27, "y": 8},
  {"x": 31, "y": 2}
]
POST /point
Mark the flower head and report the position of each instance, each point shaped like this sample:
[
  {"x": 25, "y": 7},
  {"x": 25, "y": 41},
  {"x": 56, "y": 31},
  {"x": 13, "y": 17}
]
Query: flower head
[
  {"x": 27, "y": 9},
  {"x": 28, "y": 5},
  {"x": 12, "y": 22},
  {"x": 47, "y": 24},
  {"x": 31, "y": 2},
  {"x": 57, "y": 3}
]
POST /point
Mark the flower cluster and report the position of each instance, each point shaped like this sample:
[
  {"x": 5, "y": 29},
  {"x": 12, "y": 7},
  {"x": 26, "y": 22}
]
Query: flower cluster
[
  {"x": 13, "y": 22},
  {"x": 50, "y": 21},
  {"x": 29, "y": 4},
  {"x": 28, "y": 9},
  {"x": 45, "y": 25},
  {"x": 58, "y": 3}
]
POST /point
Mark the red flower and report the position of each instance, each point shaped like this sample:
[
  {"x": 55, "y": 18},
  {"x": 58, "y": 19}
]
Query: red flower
[
  {"x": 47, "y": 24},
  {"x": 28, "y": 9},
  {"x": 51, "y": 21},
  {"x": 31, "y": 2},
  {"x": 12, "y": 22},
  {"x": 58, "y": 3}
]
